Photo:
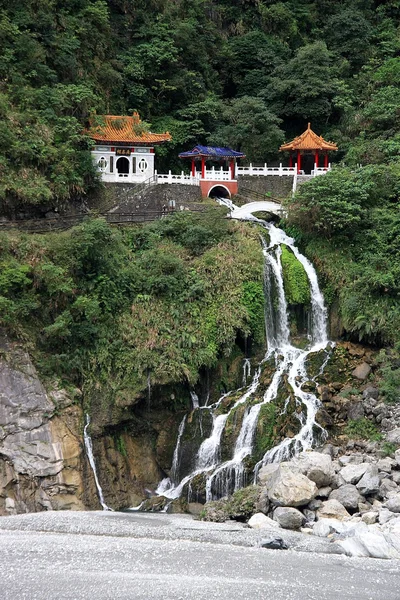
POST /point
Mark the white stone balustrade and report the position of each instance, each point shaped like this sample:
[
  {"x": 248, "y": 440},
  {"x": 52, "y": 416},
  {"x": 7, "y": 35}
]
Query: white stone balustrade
[
  {"x": 182, "y": 178},
  {"x": 266, "y": 170},
  {"x": 218, "y": 175}
]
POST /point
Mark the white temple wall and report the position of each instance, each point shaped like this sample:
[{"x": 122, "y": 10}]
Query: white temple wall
[{"x": 137, "y": 163}]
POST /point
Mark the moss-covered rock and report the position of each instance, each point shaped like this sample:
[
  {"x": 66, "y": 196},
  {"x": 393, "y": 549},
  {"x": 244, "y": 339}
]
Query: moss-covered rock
[
  {"x": 295, "y": 280},
  {"x": 240, "y": 506}
]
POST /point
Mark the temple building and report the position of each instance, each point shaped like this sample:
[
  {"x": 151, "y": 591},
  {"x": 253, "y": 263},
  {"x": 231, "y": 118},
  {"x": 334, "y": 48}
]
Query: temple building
[
  {"x": 124, "y": 150},
  {"x": 215, "y": 169},
  {"x": 306, "y": 144}
]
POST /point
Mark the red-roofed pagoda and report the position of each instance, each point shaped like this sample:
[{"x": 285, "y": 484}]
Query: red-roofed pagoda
[
  {"x": 124, "y": 150},
  {"x": 308, "y": 143}
]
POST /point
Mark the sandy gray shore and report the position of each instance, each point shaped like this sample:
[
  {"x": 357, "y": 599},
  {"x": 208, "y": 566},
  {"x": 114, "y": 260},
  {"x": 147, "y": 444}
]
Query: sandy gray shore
[{"x": 56, "y": 555}]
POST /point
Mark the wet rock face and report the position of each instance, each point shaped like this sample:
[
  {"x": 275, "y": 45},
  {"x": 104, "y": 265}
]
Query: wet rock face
[{"x": 39, "y": 458}]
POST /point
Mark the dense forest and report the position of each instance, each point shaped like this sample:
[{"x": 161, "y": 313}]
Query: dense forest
[{"x": 246, "y": 73}]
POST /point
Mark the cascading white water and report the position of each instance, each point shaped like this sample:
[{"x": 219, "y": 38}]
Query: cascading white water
[
  {"x": 223, "y": 478},
  {"x": 89, "y": 452},
  {"x": 246, "y": 371},
  {"x": 195, "y": 399},
  {"x": 175, "y": 460}
]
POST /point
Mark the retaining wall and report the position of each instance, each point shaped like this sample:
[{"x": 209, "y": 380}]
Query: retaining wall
[{"x": 279, "y": 187}]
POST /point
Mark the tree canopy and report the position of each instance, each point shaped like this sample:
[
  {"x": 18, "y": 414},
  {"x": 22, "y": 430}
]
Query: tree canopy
[{"x": 244, "y": 72}]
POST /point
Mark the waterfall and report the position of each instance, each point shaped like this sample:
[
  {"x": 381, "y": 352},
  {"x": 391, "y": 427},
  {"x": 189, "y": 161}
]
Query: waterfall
[
  {"x": 175, "y": 460},
  {"x": 222, "y": 478},
  {"x": 89, "y": 452},
  {"x": 246, "y": 371},
  {"x": 195, "y": 399}
]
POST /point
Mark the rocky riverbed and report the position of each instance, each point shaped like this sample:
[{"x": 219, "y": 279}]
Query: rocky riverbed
[
  {"x": 105, "y": 555},
  {"x": 352, "y": 501}
]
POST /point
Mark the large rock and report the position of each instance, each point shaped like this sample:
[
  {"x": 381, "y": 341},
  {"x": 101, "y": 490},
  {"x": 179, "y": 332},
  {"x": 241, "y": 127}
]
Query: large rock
[
  {"x": 369, "y": 482},
  {"x": 393, "y": 436},
  {"x": 354, "y": 547},
  {"x": 376, "y": 545},
  {"x": 388, "y": 488},
  {"x": 288, "y": 518},
  {"x": 40, "y": 454},
  {"x": 362, "y": 371},
  {"x": 348, "y": 495},
  {"x": 355, "y": 411},
  {"x": 352, "y": 473},
  {"x": 397, "y": 457},
  {"x": 266, "y": 472},
  {"x": 393, "y": 504},
  {"x": 332, "y": 509},
  {"x": 317, "y": 467},
  {"x": 261, "y": 521},
  {"x": 287, "y": 488}
]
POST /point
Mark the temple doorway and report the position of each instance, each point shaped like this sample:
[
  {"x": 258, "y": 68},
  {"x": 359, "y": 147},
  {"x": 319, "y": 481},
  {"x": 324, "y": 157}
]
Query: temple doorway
[{"x": 123, "y": 166}]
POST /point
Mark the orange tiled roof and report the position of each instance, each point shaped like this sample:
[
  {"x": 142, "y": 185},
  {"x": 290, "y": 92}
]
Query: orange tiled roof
[
  {"x": 309, "y": 141},
  {"x": 114, "y": 128}
]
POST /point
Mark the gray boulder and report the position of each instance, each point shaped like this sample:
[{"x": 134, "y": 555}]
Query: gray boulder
[
  {"x": 288, "y": 518},
  {"x": 316, "y": 466},
  {"x": 397, "y": 457},
  {"x": 371, "y": 392},
  {"x": 355, "y": 411},
  {"x": 332, "y": 509},
  {"x": 369, "y": 482},
  {"x": 362, "y": 371},
  {"x": 369, "y": 517},
  {"x": 274, "y": 542},
  {"x": 286, "y": 488},
  {"x": 261, "y": 521},
  {"x": 348, "y": 495},
  {"x": 387, "y": 488},
  {"x": 386, "y": 464},
  {"x": 393, "y": 504},
  {"x": 376, "y": 545},
  {"x": 353, "y": 473},
  {"x": 324, "y": 492},
  {"x": 266, "y": 472},
  {"x": 323, "y": 528},
  {"x": 394, "y": 436}
]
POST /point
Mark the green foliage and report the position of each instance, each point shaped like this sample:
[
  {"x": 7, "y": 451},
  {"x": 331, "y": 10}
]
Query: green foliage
[
  {"x": 295, "y": 280},
  {"x": 332, "y": 204},
  {"x": 364, "y": 429},
  {"x": 253, "y": 300},
  {"x": 116, "y": 307},
  {"x": 236, "y": 73},
  {"x": 390, "y": 384},
  {"x": 388, "y": 449}
]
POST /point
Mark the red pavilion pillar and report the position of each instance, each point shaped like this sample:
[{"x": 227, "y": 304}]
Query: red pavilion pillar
[
  {"x": 316, "y": 159},
  {"x": 290, "y": 160},
  {"x": 203, "y": 167},
  {"x": 298, "y": 162},
  {"x": 326, "y": 164},
  {"x": 232, "y": 167},
  {"x": 193, "y": 168}
]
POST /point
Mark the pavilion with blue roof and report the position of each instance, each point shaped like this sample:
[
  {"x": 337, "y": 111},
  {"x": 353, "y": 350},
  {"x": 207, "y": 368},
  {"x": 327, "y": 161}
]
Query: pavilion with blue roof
[{"x": 214, "y": 154}]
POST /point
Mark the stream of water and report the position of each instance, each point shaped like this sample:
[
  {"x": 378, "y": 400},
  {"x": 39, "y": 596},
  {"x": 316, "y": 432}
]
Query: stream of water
[
  {"x": 224, "y": 477},
  {"x": 89, "y": 452}
]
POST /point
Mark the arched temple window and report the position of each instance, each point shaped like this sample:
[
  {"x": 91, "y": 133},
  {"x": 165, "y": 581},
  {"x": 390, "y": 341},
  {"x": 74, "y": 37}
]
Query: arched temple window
[
  {"x": 102, "y": 164},
  {"x": 143, "y": 166}
]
